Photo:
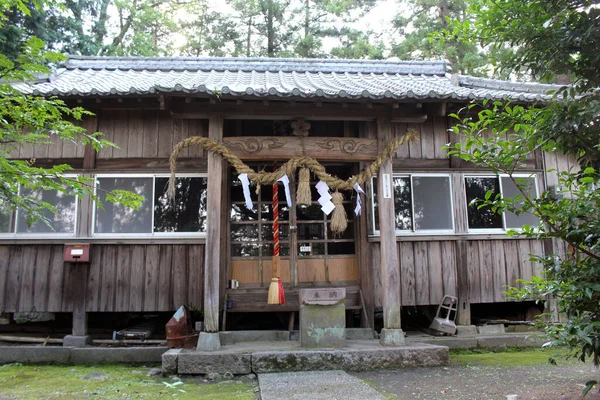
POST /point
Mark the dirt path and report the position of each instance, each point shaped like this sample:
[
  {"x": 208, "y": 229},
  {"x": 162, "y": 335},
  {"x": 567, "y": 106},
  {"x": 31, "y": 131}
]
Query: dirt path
[{"x": 564, "y": 381}]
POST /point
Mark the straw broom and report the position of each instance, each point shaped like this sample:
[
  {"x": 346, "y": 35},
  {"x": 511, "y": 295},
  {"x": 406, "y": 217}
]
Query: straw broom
[{"x": 276, "y": 295}]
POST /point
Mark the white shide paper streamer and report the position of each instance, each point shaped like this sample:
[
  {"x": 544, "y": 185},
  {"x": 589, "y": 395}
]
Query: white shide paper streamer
[
  {"x": 358, "y": 190},
  {"x": 246, "y": 187},
  {"x": 286, "y": 185}
]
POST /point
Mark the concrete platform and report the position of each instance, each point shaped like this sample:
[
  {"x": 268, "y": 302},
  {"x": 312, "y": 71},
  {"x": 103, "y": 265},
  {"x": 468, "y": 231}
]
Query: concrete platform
[{"x": 268, "y": 357}]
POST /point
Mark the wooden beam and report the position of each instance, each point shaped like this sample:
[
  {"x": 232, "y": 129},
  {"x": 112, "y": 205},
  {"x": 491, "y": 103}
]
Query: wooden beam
[
  {"x": 214, "y": 230},
  {"x": 322, "y": 148},
  {"x": 286, "y": 111},
  {"x": 390, "y": 268}
]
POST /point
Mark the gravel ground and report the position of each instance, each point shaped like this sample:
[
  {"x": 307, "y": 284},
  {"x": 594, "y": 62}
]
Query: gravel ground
[{"x": 565, "y": 381}]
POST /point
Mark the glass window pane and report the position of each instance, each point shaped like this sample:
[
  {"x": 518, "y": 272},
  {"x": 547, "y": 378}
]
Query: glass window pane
[
  {"x": 267, "y": 212},
  {"x": 62, "y": 222},
  {"x": 432, "y": 202},
  {"x": 6, "y": 216},
  {"x": 314, "y": 231},
  {"x": 509, "y": 189},
  {"x": 476, "y": 188},
  {"x": 239, "y": 212},
  {"x": 266, "y": 232},
  {"x": 311, "y": 249},
  {"x": 186, "y": 212},
  {"x": 340, "y": 248},
  {"x": 309, "y": 213},
  {"x": 244, "y": 233},
  {"x": 245, "y": 250},
  {"x": 375, "y": 204},
  {"x": 402, "y": 203},
  {"x": 267, "y": 250},
  {"x": 116, "y": 218}
]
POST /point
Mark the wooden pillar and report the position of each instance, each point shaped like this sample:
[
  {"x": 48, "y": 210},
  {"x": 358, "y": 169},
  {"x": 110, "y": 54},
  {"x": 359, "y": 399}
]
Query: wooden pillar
[
  {"x": 463, "y": 284},
  {"x": 390, "y": 267},
  {"x": 80, "y": 276},
  {"x": 214, "y": 230}
]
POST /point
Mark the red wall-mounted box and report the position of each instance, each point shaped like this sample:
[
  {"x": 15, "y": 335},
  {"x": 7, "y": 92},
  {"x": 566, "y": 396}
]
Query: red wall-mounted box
[{"x": 77, "y": 253}]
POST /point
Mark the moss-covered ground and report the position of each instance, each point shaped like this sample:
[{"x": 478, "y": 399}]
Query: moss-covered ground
[
  {"x": 122, "y": 382},
  {"x": 507, "y": 357}
]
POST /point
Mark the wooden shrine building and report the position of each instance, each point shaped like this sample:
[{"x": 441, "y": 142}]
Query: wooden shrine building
[{"x": 415, "y": 241}]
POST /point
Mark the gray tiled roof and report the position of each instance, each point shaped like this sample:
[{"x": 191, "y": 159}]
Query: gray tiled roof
[{"x": 301, "y": 78}]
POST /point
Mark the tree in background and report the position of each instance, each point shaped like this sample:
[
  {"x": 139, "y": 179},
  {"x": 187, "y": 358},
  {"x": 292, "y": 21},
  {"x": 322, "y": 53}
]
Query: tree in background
[
  {"x": 427, "y": 17},
  {"x": 27, "y": 120},
  {"x": 549, "y": 38}
]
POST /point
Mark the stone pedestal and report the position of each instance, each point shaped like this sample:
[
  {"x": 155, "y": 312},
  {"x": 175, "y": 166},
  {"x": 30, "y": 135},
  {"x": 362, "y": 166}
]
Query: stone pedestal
[
  {"x": 209, "y": 341},
  {"x": 76, "y": 341},
  {"x": 323, "y": 317},
  {"x": 392, "y": 337}
]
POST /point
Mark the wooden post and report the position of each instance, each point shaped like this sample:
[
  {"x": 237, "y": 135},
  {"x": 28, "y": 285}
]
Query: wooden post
[
  {"x": 390, "y": 268},
  {"x": 213, "y": 234}
]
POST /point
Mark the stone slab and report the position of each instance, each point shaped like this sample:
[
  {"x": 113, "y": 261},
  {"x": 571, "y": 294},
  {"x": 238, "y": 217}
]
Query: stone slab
[
  {"x": 322, "y": 325},
  {"x": 350, "y": 359},
  {"x": 466, "y": 330},
  {"x": 392, "y": 337},
  {"x": 495, "y": 342},
  {"x": 104, "y": 355},
  {"x": 359, "y": 334},
  {"x": 208, "y": 341},
  {"x": 451, "y": 342},
  {"x": 34, "y": 354},
  {"x": 231, "y": 337},
  {"x": 202, "y": 363},
  {"x": 322, "y": 296},
  {"x": 76, "y": 341},
  {"x": 496, "y": 329},
  {"x": 326, "y": 385},
  {"x": 169, "y": 361}
]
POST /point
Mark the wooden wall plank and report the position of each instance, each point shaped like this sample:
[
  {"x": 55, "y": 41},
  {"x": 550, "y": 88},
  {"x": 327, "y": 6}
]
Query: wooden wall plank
[
  {"x": 165, "y": 294},
  {"x": 56, "y": 279},
  {"x": 123, "y": 283},
  {"x": 40, "y": 285},
  {"x": 180, "y": 132},
  {"x": 138, "y": 263},
  {"x": 165, "y": 135},
  {"x": 342, "y": 269},
  {"x": 180, "y": 275},
  {"x": 427, "y": 139},
  {"x": 197, "y": 127},
  {"x": 440, "y": 136},
  {"x": 94, "y": 285},
  {"x": 407, "y": 273},
  {"x": 399, "y": 129},
  {"x": 27, "y": 275},
  {"x": 150, "y": 133},
  {"x": 195, "y": 276},
  {"x": 151, "y": 286},
  {"x": 421, "y": 273},
  {"x": 499, "y": 271},
  {"x": 459, "y": 204},
  {"x": 121, "y": 134},
  {"x": 311, "y": 270},
  {"x": 136, "y": 134},
  {"x": 474, "y": 272},
  {"x": 448, "y": 269},
  {"x": 414, "y": 147},
  {"x": 537, "y": 249},
  {"x": 4, "y": 262},
  {"x": 511, "y": 257},
  {"x": 486, "y": 266},
  {"x": 68, "y": 287},
  {"x": 106, "y": 125},
  {"x": 108, "y": 278},
  {"x": 524, "y": 255},
  {"x": 375, "y": 257},
  {"x": 284, "y": 270},
  {"x": 436, "y": 276}
]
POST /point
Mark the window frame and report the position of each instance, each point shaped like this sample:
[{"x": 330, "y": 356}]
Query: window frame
[
  {"x": 413, "y": 232},
  {"x": 504, "y": 229},
  {"x": 37, "y": 235},
  {"x": 157, "y": 235}
]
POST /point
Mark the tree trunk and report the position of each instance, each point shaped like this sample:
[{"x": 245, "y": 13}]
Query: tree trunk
[{"x": 270, "y": 30}]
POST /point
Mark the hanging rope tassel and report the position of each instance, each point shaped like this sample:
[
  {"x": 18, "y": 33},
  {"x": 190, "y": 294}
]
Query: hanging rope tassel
[
  {"x": 276, "y": 295},
  {"x": 339, "y": 220},
  {"x": 303, "y": 194}
]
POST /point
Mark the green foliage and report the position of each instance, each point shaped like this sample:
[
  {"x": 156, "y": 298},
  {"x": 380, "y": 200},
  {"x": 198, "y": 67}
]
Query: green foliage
[
  {"x": 550, "y": 37},
  {"x": 32, "y": 121}
]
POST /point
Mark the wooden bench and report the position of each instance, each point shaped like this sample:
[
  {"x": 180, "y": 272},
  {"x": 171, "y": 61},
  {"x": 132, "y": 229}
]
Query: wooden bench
[{"x": 255, "y": 300}]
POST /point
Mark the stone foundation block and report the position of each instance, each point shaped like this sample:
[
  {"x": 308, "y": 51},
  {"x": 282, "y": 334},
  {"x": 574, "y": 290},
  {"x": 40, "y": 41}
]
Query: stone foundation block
[
  {"x": 494, "y": 342},
  {"x": 466, "y": 330},
  {"x": 231, "y": 337},
  {"x": 202, "y": 363},
  {"x": 76, "y": 341},
  {"x": 169, "y": 362},
  {"x": 491, "y": 329},
  {"x": 208, "y": 342},
  {"x": 391, "y": 337},
  {"x": 34, "y": 354},
  {"x": 359, "y": 334},
  {"x": 105, "y": 355},
  {"x": 349, "y": 360}
]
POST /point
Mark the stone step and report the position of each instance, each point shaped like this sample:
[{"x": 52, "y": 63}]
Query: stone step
[{"x": 261, "y": 357}]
